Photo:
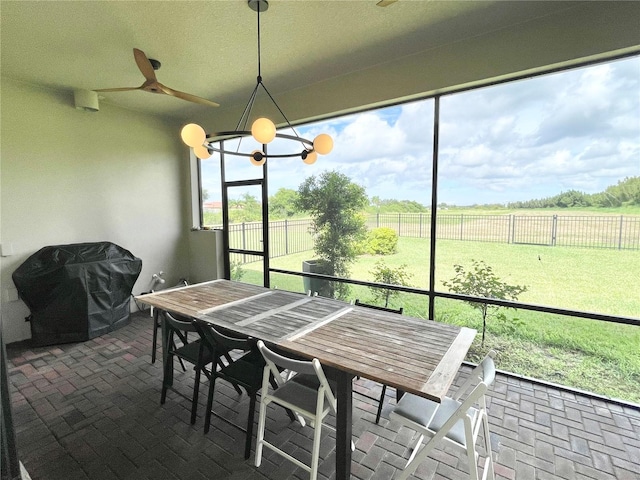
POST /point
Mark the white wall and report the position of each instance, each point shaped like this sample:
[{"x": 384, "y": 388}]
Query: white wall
[
  {"x": 206, "y": 256},
  {"x": 69, "y": 176}
]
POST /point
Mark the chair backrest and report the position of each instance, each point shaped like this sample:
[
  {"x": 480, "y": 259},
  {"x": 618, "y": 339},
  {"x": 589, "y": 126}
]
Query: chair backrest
[
  {"x": 216, "y": 338},
  {"x": 481, "y": 377},
  {"x": 179, "y": 323},
  {"x": 475, "y": 387},
  {"x": 276, "y": 363},
  {"x": 376, "y": 307}
]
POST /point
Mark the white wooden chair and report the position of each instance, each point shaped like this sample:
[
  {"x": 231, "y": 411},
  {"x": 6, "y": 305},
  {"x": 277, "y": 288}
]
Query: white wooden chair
[
  {"x": 456, "y": 420},
  {"x": 307, "y": 394}
]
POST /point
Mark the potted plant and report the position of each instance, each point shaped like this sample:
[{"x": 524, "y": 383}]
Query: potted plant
[{"x": 335, "y": 205}]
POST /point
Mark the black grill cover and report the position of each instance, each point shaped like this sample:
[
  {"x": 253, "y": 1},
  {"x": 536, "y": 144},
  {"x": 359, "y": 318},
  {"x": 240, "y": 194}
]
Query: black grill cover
[{"x": 77, "y": 292}]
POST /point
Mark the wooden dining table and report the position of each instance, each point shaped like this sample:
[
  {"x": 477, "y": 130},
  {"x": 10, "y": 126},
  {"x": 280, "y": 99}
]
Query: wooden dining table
[{"x": 413, "y": 355}]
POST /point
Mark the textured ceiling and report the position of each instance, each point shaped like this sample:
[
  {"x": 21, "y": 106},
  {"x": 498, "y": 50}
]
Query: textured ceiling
[{"x": 208, "y": 48}]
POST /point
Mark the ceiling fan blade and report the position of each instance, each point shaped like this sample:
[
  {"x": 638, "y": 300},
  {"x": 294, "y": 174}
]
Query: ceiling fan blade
[
  {"x": 120, "y": 89},
  {"x": 144, "y": 65},
  {"x": 386, "y": 3},
  {"x": 187, "y": 96}
]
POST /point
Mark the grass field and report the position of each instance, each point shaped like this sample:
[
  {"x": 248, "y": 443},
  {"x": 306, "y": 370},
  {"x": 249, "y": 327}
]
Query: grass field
[{"x": 586, "y": 354}]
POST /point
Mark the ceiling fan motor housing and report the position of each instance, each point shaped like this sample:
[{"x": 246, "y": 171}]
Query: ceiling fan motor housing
[{"x": 86, "y": 100}]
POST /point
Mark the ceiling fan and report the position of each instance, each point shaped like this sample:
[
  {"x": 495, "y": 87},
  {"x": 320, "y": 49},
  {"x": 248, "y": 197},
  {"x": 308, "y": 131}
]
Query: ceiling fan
[
  {"x": 148, "y": 66},
  {"x": 385, "y": 3}
]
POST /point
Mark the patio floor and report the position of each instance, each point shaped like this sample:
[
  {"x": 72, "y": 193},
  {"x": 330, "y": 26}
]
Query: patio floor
[{"x": 92, "y": 410}]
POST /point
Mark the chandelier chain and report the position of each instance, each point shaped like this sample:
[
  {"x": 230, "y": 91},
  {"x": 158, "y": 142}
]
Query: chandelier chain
[{"x": 259, "y": 56}]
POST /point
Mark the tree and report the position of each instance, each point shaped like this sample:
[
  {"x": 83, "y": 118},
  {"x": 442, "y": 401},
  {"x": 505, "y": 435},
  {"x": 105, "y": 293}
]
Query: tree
[
  {"x": 283, "y": 203},
  {"x": 481, "y": 281},
  {"x": 375, "y": 203},
  {"x": 382, "y": 273},
  {"x": 626, "y": 191},
  {"x": 247, "y": 209},
  {"x": 335, "y": 204}
]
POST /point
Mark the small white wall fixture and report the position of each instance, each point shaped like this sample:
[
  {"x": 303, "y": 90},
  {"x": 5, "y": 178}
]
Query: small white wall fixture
[{"x": 86, "y": 100}]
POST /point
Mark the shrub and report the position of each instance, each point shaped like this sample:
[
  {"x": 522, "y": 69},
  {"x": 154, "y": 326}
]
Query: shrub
[
  {"x": 382, "y": 241},
  {"x": 237, "y": 272},
  {"x": 481, "y": 281},
  {"x": 382, "y": 273}
]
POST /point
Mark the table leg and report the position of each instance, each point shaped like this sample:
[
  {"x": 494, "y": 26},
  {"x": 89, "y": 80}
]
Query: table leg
[{"x": 343, "y": 425}]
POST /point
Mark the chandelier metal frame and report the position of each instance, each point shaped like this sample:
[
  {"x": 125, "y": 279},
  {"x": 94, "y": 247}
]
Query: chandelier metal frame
[{"x": 309, "y": 148}]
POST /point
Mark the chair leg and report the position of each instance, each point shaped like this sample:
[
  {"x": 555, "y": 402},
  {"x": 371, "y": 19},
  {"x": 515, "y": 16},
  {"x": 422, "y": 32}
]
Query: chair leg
[
  {"x": 250, "y": 420},
  {"x": 167, "y": 366},
  {"x": 420, "y": 456},
  {"x": 260, "y": 435},
  {"x": 381, "y": 402},
  {"x": 473, "y": 462},
  {"x": 207, "y": 416},
  {"x": 173, "y": 345},
  {"x": 229, "y": 359},
  {"x": 472, "y": 455},
  {"x": 196, "y": 392},
  {"x": 488, "y": 472},
  {"x": 416, "y": 448},
  {"x": 315, "y": 453},
  {"x": 156, "y": 325}
]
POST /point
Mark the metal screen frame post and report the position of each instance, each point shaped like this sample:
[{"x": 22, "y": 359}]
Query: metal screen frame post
[{"x": 10, "y": 466}]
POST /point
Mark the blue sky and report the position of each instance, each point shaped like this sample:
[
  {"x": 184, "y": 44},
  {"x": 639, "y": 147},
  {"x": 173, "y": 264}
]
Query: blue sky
[{"x": 533, "y": 138}]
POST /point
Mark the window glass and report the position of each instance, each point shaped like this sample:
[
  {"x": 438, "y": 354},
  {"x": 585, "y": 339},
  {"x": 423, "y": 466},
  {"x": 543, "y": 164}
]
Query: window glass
[
  {"x": 236, "y": 168},
  {"x": 387, "y": 152},
  {"x": 211, "y": 189},
  {"x": 539, "y": 182},
  {"x": 594, "y": 356}
]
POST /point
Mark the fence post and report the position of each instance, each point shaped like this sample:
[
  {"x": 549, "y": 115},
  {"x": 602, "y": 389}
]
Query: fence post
[
  {"x": 377, "y": 219},
  {"x": 420, "y": 232},
  {"x": 244, "y": 242},
  {"x": 286, "y": 237},
  {"x": 509, "y": 229},
  {"x": 399, "y": 220},
  {"x": 554, "y": 230},
  {"x": 461, "y": 221},
  {"x": 620, "y": 236},
  {"x": 513, "y": 229}
]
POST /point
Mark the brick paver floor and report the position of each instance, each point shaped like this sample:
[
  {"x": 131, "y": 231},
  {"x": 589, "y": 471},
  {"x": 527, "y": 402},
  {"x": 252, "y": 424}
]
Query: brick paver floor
[{"x": 92, "y": 410}]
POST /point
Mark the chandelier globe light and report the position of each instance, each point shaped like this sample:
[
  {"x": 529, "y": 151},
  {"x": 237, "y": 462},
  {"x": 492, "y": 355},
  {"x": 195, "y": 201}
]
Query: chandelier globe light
[
  {"x": 263, "y": 130},
  {"x": 193, "y": 135}
]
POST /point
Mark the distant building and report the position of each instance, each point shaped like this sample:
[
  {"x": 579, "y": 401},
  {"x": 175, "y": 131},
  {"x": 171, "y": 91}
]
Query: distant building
[{"x": 212, "y": 206}]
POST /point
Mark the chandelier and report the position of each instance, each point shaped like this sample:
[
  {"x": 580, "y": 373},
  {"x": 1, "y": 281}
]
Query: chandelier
[{"x": 262, "y": 130}]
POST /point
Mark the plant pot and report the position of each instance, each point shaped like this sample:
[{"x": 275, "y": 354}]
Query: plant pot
[{"x": 322, "y": 287}]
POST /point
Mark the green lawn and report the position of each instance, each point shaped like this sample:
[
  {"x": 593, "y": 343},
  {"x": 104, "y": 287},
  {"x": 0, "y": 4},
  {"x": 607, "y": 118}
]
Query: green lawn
[{"x": 586, "y": 354}]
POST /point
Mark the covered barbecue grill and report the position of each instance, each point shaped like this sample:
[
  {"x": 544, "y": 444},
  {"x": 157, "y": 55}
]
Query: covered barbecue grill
[{"x": 77, "y": 292}]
